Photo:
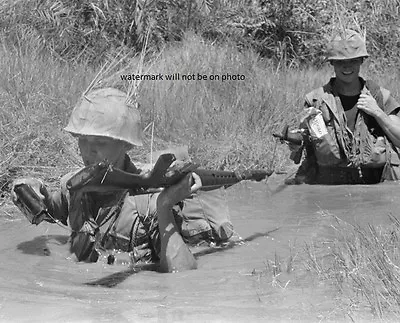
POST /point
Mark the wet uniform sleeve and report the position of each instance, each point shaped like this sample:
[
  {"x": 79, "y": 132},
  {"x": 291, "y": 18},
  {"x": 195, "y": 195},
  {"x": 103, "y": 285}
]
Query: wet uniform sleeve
[
  {"x": 391, "y": 105},
  {"x": 58, "y": 201},
  {"x": 58, "y": 207}
]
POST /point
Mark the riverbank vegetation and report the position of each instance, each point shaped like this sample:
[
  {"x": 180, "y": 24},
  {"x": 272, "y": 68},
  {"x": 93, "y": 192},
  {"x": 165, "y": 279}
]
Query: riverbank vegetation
[
  {"x": 227, "y": 124},
  {"x": 51, "y": 50},
  {"x": 363, "y": 263},
  {"x": 291, "y": 32}
]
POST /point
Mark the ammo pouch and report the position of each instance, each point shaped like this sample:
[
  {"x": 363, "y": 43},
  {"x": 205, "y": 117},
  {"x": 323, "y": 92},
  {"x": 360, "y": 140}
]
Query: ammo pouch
[
  {"x": 326, "y": 147},
  {"x": 205, "y": 216},
  {"x": 327, "y": 151},
  {"x": 374, "y": 153},
  {"x": 83, "y": 242}
]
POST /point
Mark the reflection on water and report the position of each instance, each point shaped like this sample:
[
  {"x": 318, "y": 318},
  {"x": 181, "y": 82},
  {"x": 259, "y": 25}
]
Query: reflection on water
[{"x": 39, "y": 282}]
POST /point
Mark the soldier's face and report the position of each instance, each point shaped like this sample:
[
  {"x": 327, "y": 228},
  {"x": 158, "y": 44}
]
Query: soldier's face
[
  {"x": 94, "y": 149},
  {"x": 347, "y": 70}
]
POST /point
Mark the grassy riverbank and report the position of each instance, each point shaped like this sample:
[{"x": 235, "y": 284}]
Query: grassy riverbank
[
  {"x": 225, "y": 123},
  {"x": 363, "y": 263}
]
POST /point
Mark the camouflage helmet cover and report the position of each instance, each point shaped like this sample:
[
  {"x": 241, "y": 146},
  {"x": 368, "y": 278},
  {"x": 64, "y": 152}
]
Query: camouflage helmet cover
[
  {"x": 349, "y": 44},
  {"x": 104, "y": 112}
]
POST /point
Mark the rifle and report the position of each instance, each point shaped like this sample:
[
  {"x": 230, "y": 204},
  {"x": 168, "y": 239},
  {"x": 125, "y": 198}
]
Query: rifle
[
  {"x": 292, "y": 137},
  {"x": 297, "y": 137},
  {"x": 103, "y": 175},
  {"x": 32, "y": 206}
]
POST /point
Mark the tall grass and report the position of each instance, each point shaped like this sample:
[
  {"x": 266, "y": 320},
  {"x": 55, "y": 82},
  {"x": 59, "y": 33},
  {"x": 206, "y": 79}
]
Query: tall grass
[
  {"x": 226, "y": 124},
  {"x": 291, "y": 32},
  {"x": 35, "y": 95},
  {"x": 364, "y": 264}
]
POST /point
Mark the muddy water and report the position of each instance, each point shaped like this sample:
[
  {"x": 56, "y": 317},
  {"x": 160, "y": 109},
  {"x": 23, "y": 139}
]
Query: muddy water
[{"x": 40, "y": 283}]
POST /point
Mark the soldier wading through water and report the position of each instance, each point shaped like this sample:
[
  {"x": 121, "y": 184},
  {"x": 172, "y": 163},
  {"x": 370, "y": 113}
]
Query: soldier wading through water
[
  {"x": 352, "y": 124},
  {"x": 155, "y": 228}
]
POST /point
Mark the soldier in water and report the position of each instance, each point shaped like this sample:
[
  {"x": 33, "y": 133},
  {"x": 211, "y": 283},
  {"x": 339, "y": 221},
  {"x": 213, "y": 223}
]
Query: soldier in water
[
  {"x": 353, "y": 124},
  {"x": 154, "y": 228}
]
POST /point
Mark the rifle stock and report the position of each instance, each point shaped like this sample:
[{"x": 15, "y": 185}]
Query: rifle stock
[{"x": 162, "y": 175}]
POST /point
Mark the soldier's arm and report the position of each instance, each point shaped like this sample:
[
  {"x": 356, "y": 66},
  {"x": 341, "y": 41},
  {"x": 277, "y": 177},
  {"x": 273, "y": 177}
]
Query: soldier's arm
[
  {"x": 393, "y": 123},
  {"x": 57, "y": 206},
  {"x": 175, "y": 254},
  {"x": 55, "y": 203},
  {"x": 388, "y": 118},
  {"x": 390, "y": 124}
]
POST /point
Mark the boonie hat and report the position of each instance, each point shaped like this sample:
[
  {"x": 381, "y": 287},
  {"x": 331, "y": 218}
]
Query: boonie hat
[
  {"x": 347, "y": 45},
  {"x": 104, "y": 112}
]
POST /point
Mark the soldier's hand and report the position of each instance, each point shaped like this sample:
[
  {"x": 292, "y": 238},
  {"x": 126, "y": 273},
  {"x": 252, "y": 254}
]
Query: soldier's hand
[
  {"x": 36, "y": 184},
  {"x": 197, "y": 184},
  {"x": 145, "y": 168},
  {"x": 368, "y": 104},
  {"x": 308, "y": 113},
  {"x": 179, "y": 164},
  {"x": 183, "y": 189}
]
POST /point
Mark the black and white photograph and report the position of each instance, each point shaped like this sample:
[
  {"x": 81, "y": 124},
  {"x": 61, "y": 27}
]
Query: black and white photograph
[{"x": 199, "y": 161}]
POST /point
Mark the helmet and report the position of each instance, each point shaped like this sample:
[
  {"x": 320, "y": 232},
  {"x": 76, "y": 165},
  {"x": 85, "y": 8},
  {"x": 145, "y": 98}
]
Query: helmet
[
  {"x": 347, "y": 45},
  {"x": 104, "y": 112}
]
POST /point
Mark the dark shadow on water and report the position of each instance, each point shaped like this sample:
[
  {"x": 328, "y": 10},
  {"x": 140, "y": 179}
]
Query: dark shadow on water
[
  {"x": 279, "y": 189},
  {"x": 38, "y": 246},
  {"x": 117, "y": 278},
  {"x": 232, "y": 244}
]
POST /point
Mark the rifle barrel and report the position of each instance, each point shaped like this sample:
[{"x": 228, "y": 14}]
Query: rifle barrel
[{"x": 161, "y": 176}]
